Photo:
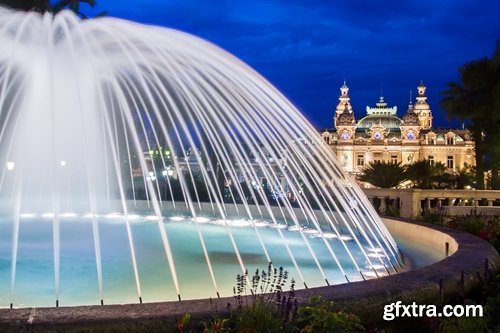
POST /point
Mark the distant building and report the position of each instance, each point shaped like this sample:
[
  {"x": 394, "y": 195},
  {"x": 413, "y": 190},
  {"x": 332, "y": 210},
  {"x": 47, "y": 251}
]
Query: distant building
[{"x": 382, "y": 136}]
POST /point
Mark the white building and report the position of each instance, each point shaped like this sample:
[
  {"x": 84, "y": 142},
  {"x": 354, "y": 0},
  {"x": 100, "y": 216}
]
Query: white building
[{"x": 382, "y": 135}]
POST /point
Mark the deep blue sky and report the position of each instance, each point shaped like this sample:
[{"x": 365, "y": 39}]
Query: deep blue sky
[{"x": 307, "y": 48}]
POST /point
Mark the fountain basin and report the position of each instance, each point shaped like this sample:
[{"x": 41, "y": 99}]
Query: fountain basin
[
  {"x": 433, "y": 284},
  {"x": 78, "y": 277}
]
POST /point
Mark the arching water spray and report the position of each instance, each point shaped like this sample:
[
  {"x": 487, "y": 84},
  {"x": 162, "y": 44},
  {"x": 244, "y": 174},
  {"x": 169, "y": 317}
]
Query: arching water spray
[{"x": 115, "y": 116}]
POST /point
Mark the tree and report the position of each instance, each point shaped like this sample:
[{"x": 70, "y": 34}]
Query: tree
[
  {"x": 424, "y": 173},
  {"x": 476, "y": 99},
  {"x": 27, "y": 5},
  {"x": 383, "y": 174},
  {"x": 44, "y": 6},
  {"x": 457, "y": 180},
  {"x": 464, "y": 177}
]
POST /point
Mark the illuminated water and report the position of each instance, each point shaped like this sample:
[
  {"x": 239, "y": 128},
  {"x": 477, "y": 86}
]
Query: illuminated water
[{"x": 79, "y": 283}]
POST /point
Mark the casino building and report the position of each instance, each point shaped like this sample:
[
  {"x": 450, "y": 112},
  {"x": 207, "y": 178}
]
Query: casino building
[{"x": 382, "y": 135}]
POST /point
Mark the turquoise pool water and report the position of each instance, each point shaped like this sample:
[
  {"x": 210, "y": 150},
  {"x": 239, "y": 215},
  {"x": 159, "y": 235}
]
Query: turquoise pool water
[{"x": 34, "y": 279}]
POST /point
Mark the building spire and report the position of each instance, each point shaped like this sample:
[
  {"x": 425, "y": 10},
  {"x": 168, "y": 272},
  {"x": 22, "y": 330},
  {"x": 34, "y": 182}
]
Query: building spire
[
  {"x": 410, "y": 103},
  {"x": 344, "y": 104},
  {"x": 422, "y": 107}
]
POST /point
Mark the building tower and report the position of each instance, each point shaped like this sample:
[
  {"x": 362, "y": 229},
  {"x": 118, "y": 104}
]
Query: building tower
[
  {"x": 410, "y": 126},
  {"x": 346, "y": 125},
  {"x": 344, "y": 104},
  {"x": 422, "y": 108}
]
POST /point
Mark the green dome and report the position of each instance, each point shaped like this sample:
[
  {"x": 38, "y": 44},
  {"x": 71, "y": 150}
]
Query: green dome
[{"x": 388, "y": 121}]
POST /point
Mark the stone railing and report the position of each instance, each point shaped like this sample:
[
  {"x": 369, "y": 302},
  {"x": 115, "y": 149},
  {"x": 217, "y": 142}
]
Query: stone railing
[{"x": 412, "y": 202}]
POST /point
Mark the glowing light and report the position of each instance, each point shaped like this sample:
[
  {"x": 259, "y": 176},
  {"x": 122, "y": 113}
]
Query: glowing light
[
  {"x": 133, "y": 217},
  {"x": 260, "y": 224},
  {"x": 278, "y": 226},
  {"x": 375, "y": 249},
  {"x": 68, "y": 215},
  {"x": 311, "y": 231},
  {"x": 177, "y": 218},
  {"x": 375, "y": 255},
  {"x": 370, "y": 274},
  {"x": 90, "y": 215},
  {"x": 153, "y": 218},
  {"x": 376, "y": 266},
  {"x": 151, "y": 176},
  {"x": 10, "y": 166},
  {"x": 239, "y": 223},
  {"x": 113, "y": 216},
  {"x": 353, "y": 203},
  {"x": 27, "y": 215},
  {"x": 48, "y": 215},
  {"x": 201, "y": 220},
  {"x": 294, "y": 228},
  {"x": 326, "y": 235},
  {"x": 168, "y": 172},
  {"x": 63, "y": 163}
]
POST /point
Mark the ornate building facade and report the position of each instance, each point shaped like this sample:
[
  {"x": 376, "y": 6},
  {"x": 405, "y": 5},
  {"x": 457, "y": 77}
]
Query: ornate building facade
[{"x": 382, "y": 135}]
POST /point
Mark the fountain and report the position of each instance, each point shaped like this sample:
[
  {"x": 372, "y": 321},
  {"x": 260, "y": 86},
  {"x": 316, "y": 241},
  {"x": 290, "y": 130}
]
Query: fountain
[{"x": 142, "y": 163}]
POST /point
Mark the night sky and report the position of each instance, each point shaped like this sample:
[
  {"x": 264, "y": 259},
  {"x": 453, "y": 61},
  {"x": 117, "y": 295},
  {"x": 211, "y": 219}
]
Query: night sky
[{"x": 308, "y": 48}]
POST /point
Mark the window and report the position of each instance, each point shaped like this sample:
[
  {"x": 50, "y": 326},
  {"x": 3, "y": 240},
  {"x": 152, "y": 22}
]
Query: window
[
  {"x": 394, "y": 159},
  {"x": 450, "y": 140},
  {"x": 360, "y": 160},
  {"x": 431, "y": 159},
  {"x": 377, "y": 157},
  {"x": 449, "y": 162}
]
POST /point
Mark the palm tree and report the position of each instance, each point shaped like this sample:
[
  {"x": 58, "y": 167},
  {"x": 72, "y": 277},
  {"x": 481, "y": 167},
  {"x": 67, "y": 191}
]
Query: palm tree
[
  {"x": 476, "y": 99},
  {"x": 44, "y": 6},
  {"x": 457, "y": 180},
  {"x": 425, "y": 173},
  {"x": 27, "y": 5},
  {"x": 383, "y": 174},
  {"x": 74, "y": 5}
]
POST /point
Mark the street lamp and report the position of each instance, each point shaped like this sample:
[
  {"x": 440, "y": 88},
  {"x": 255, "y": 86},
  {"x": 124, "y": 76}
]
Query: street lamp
[
  {"x": 151, "y": 176},
  {"x": 168, "y": 172},
  {"x": 10, "y": 166}
]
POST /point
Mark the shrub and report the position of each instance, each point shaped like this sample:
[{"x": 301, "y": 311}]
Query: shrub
[
  {"x": 267, "y": 309},
  {"x": 486, "y": 227},
  {"x": 392, "y": 211},
  {"x": 432, "y": 217},
  {"x": 318, "y": 316}
]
